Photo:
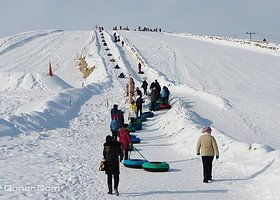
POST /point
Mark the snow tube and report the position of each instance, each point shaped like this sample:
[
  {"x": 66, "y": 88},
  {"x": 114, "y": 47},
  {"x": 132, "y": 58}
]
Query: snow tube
[
  {"x": 155, "y": 166},
  {"x": 142, "y": 118},
  {"x": 134, "y": 163},
  {"x": 131, "y": 128},
  {"x": 148, "y": 114},
  {"x": 165, "y": 106},
  {"x": 160, "y": 101},
  {"x": 135, "y": 140},
  {"x": 137, "y": 126}
]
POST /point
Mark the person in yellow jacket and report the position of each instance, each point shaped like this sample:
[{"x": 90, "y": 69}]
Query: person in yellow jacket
[
  {"x": 132, "y": 109},
  {"x": 207, "y": 147}
]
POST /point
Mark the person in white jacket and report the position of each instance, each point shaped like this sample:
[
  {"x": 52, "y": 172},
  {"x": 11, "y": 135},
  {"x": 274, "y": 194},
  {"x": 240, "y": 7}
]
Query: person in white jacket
[{"x": 207, "y": 147}]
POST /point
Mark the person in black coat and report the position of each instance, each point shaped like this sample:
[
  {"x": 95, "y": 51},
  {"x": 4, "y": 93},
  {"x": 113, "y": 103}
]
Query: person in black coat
[
  {"x": 144, "y": 86},
  {"x": 139, "y": 102},
  {"x": 138, "y": 92},
  {"x": 158, "y": 89},
  {"x": 112, "y": 154},
  {"x": 153, "y": 99}
]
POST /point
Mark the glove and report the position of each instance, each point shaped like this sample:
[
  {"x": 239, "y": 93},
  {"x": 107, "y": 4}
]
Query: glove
[
  {"x": 198, "y": 154},
  {"x": 217, "y": 157}
]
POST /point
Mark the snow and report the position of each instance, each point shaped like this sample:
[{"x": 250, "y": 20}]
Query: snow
[{"x": 52, "y": 129}]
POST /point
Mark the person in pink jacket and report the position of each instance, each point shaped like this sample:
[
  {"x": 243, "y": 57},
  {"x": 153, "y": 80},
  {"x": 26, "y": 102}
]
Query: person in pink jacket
[{"x": 124, "y": 139}]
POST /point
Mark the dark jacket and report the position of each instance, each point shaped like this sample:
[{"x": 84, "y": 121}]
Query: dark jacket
[
  {"x": 165, "y": 92},
  {"x": 144, "y": 85},
  {"x": 154, "y": 95},
  {"x": 139, "y": 102},
  {"x": 114, "y": 112},
  {"x": 113, "y": 154},
  {"x": 157, "y": 85},
  {"x": 152, "y": 85},
  {"x": 139, "y": 92}
]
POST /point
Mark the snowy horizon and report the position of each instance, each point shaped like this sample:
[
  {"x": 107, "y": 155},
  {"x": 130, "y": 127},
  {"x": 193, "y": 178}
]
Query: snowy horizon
[{"x": 231, "y": 18}]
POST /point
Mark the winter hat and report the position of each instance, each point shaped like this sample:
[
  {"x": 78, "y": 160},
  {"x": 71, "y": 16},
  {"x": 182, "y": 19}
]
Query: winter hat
[
  {"x": 109, "y": 138},
  {"x": 207, "y": 129},
  {"x": 115, "y": 106}
]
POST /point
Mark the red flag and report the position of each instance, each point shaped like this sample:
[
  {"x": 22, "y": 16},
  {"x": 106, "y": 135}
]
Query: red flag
[{"x": 50, "y": 69}]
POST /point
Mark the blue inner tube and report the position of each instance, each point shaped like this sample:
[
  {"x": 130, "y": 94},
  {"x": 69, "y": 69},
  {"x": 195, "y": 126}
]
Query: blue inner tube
[
  {"x": 138, "y": 127},
  {"x": 135, "y": 140},
  {"x": 148, "y": 114},
  {"x": 134, "y": 163},
  {"x": 142, "y": 118}
]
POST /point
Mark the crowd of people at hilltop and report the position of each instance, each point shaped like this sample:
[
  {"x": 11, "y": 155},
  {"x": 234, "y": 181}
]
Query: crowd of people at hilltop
[{"x": 147, "y": 29}]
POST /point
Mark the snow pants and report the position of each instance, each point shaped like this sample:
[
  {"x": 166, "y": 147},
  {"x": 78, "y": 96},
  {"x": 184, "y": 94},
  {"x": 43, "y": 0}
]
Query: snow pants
[
  {"x": 207, "y": 167},
  {"x": 145, "y": 91},
  {"x": 116, "y": 181},
  {"x": 126, "y": 154},
  {"x": 115, "y": 134}
]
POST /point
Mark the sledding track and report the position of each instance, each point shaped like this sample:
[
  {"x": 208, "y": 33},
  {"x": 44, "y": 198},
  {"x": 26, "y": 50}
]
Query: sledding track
[{"x": 70, "y": 156}]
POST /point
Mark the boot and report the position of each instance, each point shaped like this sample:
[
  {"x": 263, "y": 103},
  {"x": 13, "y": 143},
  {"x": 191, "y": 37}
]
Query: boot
[{"x": 116, "y": 192}]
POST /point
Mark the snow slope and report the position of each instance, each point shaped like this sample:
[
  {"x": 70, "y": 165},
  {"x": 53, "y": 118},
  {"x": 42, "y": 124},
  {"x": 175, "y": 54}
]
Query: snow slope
[
  {"x": 246, "y": 79},
  {"x": 52, "y": 130}
]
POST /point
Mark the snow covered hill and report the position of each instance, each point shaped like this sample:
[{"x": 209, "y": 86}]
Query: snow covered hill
[{"x": 52, "y": 129}]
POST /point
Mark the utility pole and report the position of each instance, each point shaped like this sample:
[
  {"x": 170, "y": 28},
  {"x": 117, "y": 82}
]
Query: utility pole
[{"x": 251, "y": 33}]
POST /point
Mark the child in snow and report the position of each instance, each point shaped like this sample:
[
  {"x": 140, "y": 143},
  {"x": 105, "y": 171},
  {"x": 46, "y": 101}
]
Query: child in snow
[
  {"x": 125, "y": 140},
  {"x": 132, "y": 109}
]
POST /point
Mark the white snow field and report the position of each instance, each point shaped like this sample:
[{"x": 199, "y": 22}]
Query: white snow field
[{"x": 52, "y": 129}]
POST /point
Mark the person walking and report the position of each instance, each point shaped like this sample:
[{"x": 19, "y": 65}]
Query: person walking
[
  {"x": 115, "y": 125},
  {"x": 139, "y": 103},
  {"x": 139, "y": 68},
  {"x": 207, "y": 147},
  {"x": 144, "y": 86},
  {"x": 114, "y": 111},
  {"x": 112, "y": 154},
  {"x": 122, "y": 43},
  {"x": 138, "y": 91},
  {"x": 125, "y": 140}
]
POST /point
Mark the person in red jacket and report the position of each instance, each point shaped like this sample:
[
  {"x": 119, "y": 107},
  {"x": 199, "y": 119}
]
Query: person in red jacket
[{"x": 125, "y": 140}]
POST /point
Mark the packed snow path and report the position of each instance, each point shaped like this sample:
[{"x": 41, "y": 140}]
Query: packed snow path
[{"x": 68, "y": 156}]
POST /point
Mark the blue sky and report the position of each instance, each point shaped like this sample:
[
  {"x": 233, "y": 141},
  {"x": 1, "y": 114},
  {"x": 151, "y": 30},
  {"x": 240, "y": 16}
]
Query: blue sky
[{"x": 220, "y": 17}]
